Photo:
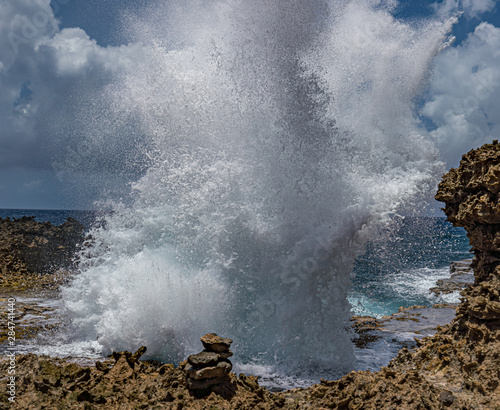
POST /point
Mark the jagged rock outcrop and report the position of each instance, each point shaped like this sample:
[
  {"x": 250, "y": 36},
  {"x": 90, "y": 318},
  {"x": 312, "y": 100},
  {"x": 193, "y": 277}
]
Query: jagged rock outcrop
[
  {"x": 471, "y": 197},
  {"x": 122, "y": 382}
]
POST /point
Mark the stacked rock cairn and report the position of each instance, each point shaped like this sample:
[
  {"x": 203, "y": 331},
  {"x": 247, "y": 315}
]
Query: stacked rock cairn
[{"x": 211, "y": 367}]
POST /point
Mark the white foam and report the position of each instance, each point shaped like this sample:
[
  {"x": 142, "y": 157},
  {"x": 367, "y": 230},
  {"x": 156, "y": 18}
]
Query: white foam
[
  {"x": 405, "y": 288},
  {"x": 281, "y": 134}
]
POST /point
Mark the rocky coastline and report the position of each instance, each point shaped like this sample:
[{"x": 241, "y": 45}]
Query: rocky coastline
[
  {"x": 458, "y": 367},
  {"x": 35, "y": 255}
]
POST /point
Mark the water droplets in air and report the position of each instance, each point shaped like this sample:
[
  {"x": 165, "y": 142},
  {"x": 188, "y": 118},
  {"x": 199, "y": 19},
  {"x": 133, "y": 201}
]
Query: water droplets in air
[{"x": 280, "y": 136}]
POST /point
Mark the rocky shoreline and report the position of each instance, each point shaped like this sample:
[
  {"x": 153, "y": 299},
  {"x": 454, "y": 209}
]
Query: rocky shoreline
[
  {"x": 36, "y": 256},
  {"x": 462, "y": 275},
  {"x": 458, "y": 367}
]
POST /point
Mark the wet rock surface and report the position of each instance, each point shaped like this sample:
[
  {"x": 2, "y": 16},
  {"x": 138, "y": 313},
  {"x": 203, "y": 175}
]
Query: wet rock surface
[
  {"x": 35, "y": 260},
  {"x": 32, "y": 316},
  {"x": 461, "y": 276},
  {"x": 30, "y": 250},
  {"x": 402, "y": 328}
]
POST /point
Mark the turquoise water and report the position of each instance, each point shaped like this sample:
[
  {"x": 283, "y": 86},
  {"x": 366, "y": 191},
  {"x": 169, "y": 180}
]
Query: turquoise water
[{"x": 399, "y": 270}]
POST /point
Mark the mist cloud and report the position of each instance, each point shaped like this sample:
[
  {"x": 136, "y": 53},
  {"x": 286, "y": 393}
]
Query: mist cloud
[{"x": 58, "y": 95}]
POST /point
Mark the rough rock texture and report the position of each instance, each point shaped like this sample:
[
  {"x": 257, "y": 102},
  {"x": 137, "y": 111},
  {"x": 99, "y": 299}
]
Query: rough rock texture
[
  {"x": 471, "y": 195},
  {"x": 29, "y": 249},
  {"x": 209, "y": 370},
  {"x": 213, "y": 343},
  {"x": 31, "y": 317},
  {"x": 123, "y": 383}
]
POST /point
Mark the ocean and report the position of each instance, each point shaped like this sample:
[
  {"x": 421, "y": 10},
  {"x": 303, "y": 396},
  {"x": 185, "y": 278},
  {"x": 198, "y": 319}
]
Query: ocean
[
  {"x": 54, "y": 216},
  {"x": 396, "y": 271}
]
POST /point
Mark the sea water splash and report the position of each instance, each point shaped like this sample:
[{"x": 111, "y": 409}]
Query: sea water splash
[{"x": 282, "y": 136}]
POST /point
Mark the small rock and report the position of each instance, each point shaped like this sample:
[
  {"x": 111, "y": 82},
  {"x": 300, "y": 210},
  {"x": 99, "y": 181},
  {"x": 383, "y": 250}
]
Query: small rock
[
  {"x": 101, "y": 367},
  {"x": 214, "y": 343},
  {"x": 137, "y": 355},
  {"x": 121, "y": 370},
  {"x": 250, "y": 381},
  {"x": 204, "y": 359},
  {"x": 225, "y": 355},
  {"x": 446, "y": 398},
  {"x": 222, "y": 369},
  {"x": 204, "y": 384},
  {"x": 131, "y": 358}
]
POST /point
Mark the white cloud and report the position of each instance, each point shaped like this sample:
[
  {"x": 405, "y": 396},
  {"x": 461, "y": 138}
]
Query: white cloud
[
  {"x": 76, "y": 53},
  {"x": 471, "y": 8},
  {"x": 464, "y": 101},
  {"x": 50, "y": 80},
  {"x": 46, "y": 76}
]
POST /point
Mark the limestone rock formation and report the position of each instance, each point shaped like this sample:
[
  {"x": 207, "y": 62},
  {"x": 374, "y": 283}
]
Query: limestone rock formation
[
  {"x": 471, "y": 196},
  {"x": 123, "y": 382}
]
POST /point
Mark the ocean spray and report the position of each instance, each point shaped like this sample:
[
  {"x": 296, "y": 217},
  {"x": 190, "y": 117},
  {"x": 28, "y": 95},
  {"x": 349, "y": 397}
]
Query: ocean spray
[{"x": 281, "y": 135}]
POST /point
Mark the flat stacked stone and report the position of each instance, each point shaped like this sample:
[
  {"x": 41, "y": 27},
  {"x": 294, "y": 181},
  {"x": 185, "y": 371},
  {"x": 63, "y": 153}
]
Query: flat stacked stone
[{"x": 211, "y": 367}]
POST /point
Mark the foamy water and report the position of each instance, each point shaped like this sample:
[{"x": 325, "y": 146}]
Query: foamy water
[{"x": 281, "y": 137}]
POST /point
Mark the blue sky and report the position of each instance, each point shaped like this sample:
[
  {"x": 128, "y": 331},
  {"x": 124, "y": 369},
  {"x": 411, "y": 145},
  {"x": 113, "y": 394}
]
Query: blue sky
[{"x": 55, "y": 57}]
